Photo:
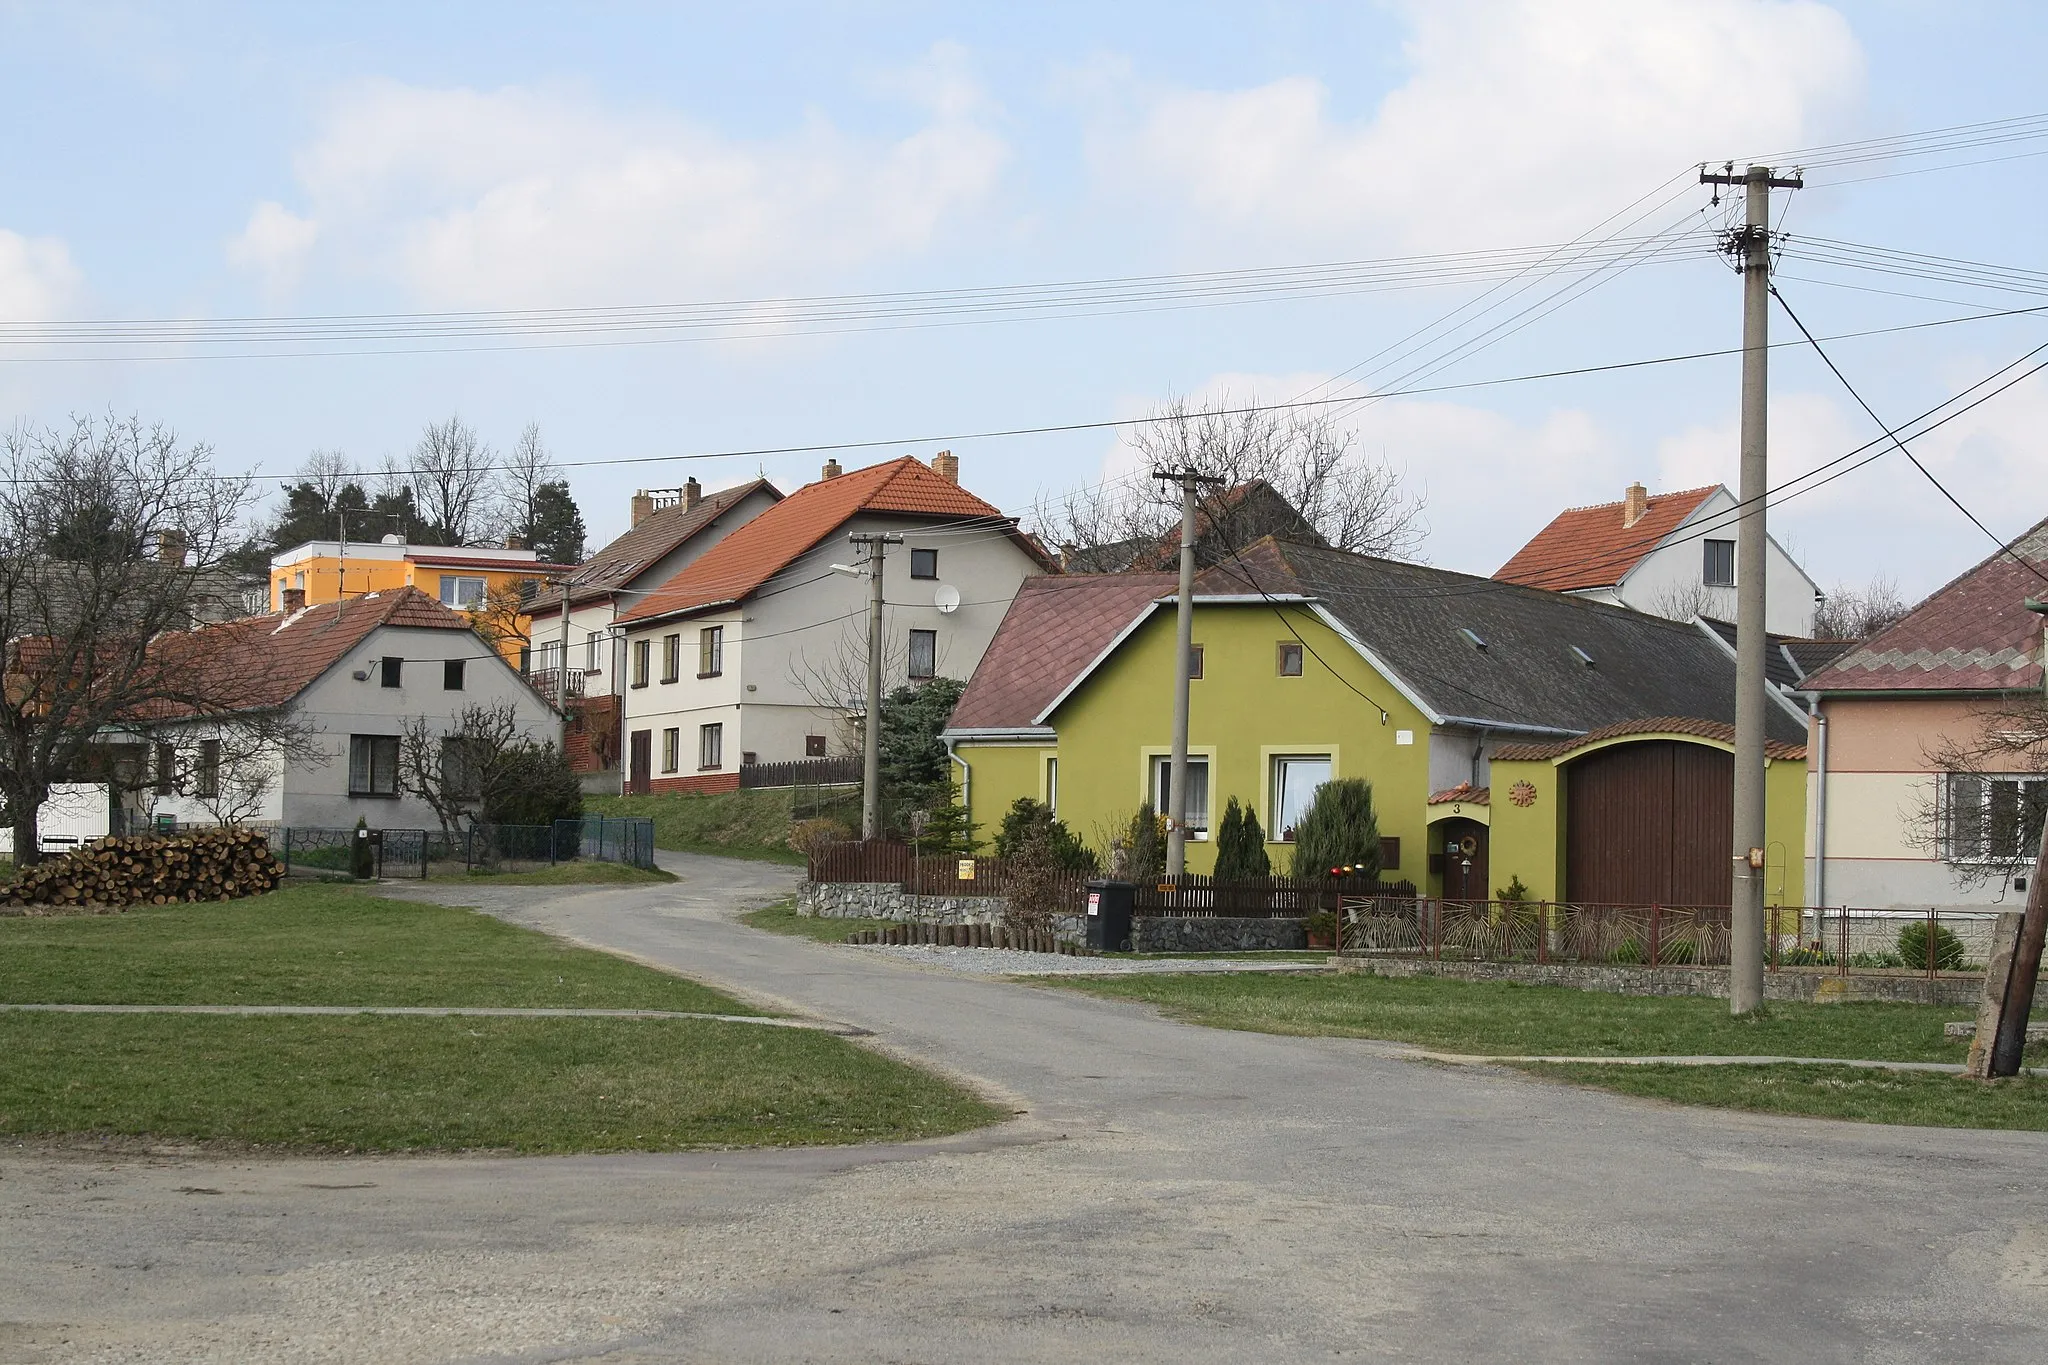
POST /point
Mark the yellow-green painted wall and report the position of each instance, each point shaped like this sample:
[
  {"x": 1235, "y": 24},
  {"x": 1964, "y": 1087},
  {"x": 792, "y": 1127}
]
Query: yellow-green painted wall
[
  {"x": 999, "y": 774},
  {"x": 1242, "y": 714}
]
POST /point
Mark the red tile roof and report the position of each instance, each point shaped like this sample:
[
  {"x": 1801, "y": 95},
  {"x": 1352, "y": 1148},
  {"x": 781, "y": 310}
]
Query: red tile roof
[
  {"x": 1462, "y": 794},
  {"x": 1651, "y": 725},
  {"x": 1974, "y": 634},
  {"x": 655, "y": 538},
  {"x": 1055, "y": 628},
  {"x": 1589, "y": 547},
  {"x": 734, "y": 568}
]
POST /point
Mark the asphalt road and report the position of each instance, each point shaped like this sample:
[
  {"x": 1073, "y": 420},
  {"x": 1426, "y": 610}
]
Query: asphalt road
[{"x": 1167, "y": 1193}]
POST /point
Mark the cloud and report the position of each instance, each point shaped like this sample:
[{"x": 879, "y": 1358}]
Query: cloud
[
  {"x": 527, "y": 196},
  {"x": 274, "y": 245},
  {"x": 1520, "y": 121},
  {"x": 38, "y": 281}
]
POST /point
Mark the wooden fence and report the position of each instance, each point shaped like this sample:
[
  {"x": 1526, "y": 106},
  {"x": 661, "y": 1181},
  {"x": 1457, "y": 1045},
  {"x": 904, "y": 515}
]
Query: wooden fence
[{"x": 802, "y": 772}]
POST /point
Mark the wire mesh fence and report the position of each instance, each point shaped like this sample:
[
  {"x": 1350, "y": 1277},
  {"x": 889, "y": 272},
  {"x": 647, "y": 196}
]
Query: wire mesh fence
[{"x": 341, "y": 853}]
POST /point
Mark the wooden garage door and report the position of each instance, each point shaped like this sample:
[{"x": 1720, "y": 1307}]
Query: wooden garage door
[{"x": 1649, "y": 823}]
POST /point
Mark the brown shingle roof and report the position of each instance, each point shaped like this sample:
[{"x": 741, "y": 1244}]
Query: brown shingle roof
[
  {"x": 1975, "y": 634},
  {"x": 1589, "y": 547},
  {"x": 1053, "y": 630},
  {"x": 1669, "y": 725},
  {"x": 731, "y": 570},
  {"x": 655, "y": 538}
]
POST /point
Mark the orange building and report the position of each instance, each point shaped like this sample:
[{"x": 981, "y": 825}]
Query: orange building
[{"x": 495, "y": 585}]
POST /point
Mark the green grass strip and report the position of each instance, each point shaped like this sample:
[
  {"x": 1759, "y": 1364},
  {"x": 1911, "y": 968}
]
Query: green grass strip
[{"x": 1863, "y": 1095}]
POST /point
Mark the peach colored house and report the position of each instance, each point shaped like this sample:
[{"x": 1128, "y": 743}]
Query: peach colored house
[{"x": 1886, "y": 827}]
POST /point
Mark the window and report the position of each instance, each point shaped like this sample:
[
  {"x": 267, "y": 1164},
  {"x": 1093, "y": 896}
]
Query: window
[
  {"x": 1289, "y": 659},
  {"x": 391, "y": 672},
  {"x": 593, "y": 653},
  {"x": 710, "y": 746},
  {"x": 166, "y": 769},
  {"x": 671, "y": 658},
  {"x": 924, "y": 563},
  {"x": 642, "y": 650},
  {"x": 464, "y": 594},
  {"x": 1390, "y": 853},
  {"x": 451, "y": 674},
  {"x": 924, "y": 654},
  {"x": 373, "y": 765},
  {"x": 1194, "y": 661},
  {"x": 671, "y": 750},
  {"x": 206, "y": 781},
  {"x": 814, "y": 746},
  {"x": 1717, "y": 569},
  {"x": 462, "y": 768},
  {"x": 710, "y": 651},
  {"x": 1198, "y": 792},
  {"x": 1052, "y": 785},
  {"x": 1993, "y": 819},
  {"x": 1295, "y": 780}
]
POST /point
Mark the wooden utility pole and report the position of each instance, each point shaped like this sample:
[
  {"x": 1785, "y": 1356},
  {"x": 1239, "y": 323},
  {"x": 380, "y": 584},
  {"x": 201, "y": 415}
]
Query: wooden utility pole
[
  {"x": 2011, "y": 1040},
  {"x": 1184, "y": 665},
  {"x": 1752, "y": 703},
  {"x": 876, "y": 543}
]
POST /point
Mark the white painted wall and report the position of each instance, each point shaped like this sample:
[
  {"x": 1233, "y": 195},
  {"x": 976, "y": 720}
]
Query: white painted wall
[
  {"x": 807, "y": 619},
  {"x": 1676, "y": 568}
]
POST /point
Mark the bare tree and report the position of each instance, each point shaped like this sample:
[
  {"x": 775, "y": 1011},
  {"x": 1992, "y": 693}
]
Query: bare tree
[
  {"x": 526, "y": 471},
  {"x": 454, "y": 481},
  {"x": 109, "y": 533},
  {"x": 230, "y": 767},
  {"x": 461, "y": 769},
  {"x": 1352, "y": 500},
  {"x": 1985, "y": 811},
  {"x": 328, "y": 472},
  {"x": 1683, "y": 601},
  {"x": 504, "y": 618},
  {"x": 1858, "y": 613}
]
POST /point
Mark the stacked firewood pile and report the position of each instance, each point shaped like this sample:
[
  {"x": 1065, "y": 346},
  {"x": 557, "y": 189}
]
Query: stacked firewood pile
[{"x": 206, "y": 865}]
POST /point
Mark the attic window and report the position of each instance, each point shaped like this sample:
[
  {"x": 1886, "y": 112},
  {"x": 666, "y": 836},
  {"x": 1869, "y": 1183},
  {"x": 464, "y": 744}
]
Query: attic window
[
  {"x": 1472, "y": 638},
  {"x": 1582, "y": 656}
]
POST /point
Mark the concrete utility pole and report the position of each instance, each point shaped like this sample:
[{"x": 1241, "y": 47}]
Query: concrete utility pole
[
  {"x": 1184, "y": 665},
  {"x": 1746, "y": 903},
  {"x": 876, "y": 544},
  {"x": 562, "y": 664}
]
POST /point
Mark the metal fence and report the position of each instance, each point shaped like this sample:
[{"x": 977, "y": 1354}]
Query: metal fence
[
  {"x": 1841, "y": 940},
  {"x": 316, "y": 852}
]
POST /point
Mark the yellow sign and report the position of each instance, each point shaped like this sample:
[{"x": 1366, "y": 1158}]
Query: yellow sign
[{"x": 967, "y": 869}]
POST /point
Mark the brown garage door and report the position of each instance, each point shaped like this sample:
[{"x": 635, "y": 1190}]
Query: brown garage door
[{"x": 1649, "y": 823}]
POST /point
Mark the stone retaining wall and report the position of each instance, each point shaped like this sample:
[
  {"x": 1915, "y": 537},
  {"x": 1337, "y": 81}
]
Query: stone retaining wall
[
  {"x": 1178, "y": 934},
  {"x": 1791, "y": 983},
  {"x": 889, "y": 901}
]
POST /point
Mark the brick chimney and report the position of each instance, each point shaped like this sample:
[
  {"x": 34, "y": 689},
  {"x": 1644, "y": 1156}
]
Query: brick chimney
[
  {"x": 294, "y": 599},
  {"x": 515, "y": 542},
  {"x": 170, "y": 547},
  {"x": 693, "y": 493},
  {"x": 831, "y": 470},
  {"x": 643, "y": 506},
  {"x": 946, "y": 465},
  {"x": 1634, "y": 504}
]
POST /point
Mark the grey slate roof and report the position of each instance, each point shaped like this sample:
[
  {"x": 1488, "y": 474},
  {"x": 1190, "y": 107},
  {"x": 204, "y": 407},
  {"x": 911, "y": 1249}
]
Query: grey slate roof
[
  {"x": 1411, "y": 616},
  {"x": 1788, "y": 658}
]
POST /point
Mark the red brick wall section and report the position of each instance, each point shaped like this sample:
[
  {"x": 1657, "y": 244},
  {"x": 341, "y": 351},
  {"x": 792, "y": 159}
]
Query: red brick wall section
[
  {"x": 703, "y": 784},
  {"x": 591, "y": 743}
]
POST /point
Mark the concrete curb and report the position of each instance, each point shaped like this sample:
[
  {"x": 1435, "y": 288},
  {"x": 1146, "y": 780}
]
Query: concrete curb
[
  {"x": 447, "y": 1011},
  {"x": 1463, "y": 1059}
]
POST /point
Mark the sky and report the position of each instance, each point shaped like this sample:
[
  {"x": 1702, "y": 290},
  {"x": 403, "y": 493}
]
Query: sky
[{"x": 200, "y": 163}]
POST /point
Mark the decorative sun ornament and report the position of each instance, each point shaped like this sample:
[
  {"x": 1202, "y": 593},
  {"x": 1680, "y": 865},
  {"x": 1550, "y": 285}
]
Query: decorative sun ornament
[{"x": 1523, "y": 794}]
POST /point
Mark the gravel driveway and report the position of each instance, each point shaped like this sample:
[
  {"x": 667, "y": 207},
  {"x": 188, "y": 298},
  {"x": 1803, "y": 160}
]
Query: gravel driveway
[{"x": 1164, "y": 1193}]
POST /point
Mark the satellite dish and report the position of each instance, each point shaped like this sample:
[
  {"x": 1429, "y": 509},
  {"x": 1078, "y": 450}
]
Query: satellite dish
[{"x": 947, "y": 598}]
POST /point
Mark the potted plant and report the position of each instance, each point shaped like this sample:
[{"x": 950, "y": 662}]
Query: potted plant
[{"x": 1321, "y": 928}]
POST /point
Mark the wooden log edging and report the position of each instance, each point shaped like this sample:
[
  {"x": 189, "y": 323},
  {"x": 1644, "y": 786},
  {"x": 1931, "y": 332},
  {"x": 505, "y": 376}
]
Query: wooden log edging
[{"x": 969, "y": 936}]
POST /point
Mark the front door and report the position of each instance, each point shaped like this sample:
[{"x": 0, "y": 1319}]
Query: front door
[
  {"x": 639, "y": 777},
  {"x": 1463, "y": 844}
]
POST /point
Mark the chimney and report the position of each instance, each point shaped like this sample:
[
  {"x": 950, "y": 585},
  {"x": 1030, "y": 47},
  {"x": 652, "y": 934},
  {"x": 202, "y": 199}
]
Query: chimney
[
  {"x": 831, "y": 470},
  {"x": 643, "y": 506},
  {"x": 1634, "y": 504},
  {"x": 946, "y": 465},
  {"x": 693, "y": 492},
  {"x": 515, "y": 542},
  {"x": 294, "y": 599},
  {"x": 170, "y": 547}
]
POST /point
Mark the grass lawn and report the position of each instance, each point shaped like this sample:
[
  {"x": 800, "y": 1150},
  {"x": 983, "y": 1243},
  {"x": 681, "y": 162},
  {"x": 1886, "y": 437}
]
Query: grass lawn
[
  {"x": 1492, "y": 1018},
  {"x": 741, "y": 824},
  {"x": 579, "y": 872},
  {"x": 782, "y": 918},
  {"x": 1831, "y": 1092},
  {"x": 403, "y": 1084}
]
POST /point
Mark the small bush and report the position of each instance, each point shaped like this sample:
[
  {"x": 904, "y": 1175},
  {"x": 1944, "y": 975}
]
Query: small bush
[
  {"x": 1032, "y": 824},
  {"x": 1514, "y": 892},
  {"x": 1340, "y": 829},
  {"x": 537, "y": 787},
  {"x": 1947, "y": 952},
  {"x": 1241, "y": 845},
  {"x": 1322, "y": 922},
  {"x": 1146, "y": 845},
  {"x": 1806, "y": 955},
  {"x": 1677, "y": 952},
  {"x": 809, "y": 837}
]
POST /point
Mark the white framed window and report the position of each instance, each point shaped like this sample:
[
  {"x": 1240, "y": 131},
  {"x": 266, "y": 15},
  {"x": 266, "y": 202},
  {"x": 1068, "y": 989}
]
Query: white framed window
[
  {"x": 711, "y": 651},
  {"x": 1052, "y": 785},
  {"x": 1198, "y": 791},
  {"x": 671, "y": 749},
  {"x": 593, "y": 653},
  {"x": 1717, "y": 563},
  {"x": 710, "y": 746},
  {"x": 643, "y": 651},
  {"x": 671, "y": 658},
  {"x": 1295, "y": 778},
  {"x": 1992, "y": 818},
  {"x": 1287, "y": 659},
  {"x": 461, "y": 593}
]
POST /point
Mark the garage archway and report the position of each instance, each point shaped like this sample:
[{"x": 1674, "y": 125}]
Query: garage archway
[{"x": 1649, "y": 823}]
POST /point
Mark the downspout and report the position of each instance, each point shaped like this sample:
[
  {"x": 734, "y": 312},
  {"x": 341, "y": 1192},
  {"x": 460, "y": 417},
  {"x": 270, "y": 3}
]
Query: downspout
[
  {"x": 966, "y": 778},
  {"x": 1820, "y": 805}
]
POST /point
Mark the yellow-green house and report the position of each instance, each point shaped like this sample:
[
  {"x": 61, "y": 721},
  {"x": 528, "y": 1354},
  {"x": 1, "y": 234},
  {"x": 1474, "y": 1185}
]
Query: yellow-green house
[{"x": 1483, "y": 713}]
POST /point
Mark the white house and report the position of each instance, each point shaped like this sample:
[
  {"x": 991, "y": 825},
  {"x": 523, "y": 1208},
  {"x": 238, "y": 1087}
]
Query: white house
[
  {"x": 757, "y": 651},
  {"x": 670, "y": 529},
  {"x": 1669, "y": 554},
  {"x": 351, "y": 675}
]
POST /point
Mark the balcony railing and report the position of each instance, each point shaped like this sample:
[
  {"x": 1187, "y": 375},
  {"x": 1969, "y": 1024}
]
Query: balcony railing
[{"x": 544, "y": 681}]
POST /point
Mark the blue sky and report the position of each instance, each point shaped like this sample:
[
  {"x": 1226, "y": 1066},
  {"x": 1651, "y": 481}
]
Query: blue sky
[{"x": 219, "y": 161}]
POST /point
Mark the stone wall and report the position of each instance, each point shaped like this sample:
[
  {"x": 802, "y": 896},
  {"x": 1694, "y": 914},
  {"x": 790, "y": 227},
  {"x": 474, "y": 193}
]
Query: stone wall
[
  {"x": 1791, "y": 983},
  {"x": 889, "y": 901},
  {"x": 1178, "y": 934}
]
